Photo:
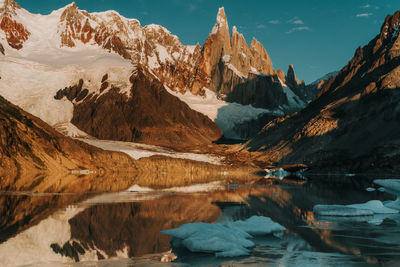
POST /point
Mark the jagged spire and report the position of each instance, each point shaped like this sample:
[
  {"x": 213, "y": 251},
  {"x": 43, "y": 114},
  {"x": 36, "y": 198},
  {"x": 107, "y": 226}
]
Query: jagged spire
[{"x": 222, "y": 22}]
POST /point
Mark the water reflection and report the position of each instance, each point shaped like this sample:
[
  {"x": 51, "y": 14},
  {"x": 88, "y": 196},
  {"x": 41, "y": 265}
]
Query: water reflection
[{"x": 125, "y": 227}]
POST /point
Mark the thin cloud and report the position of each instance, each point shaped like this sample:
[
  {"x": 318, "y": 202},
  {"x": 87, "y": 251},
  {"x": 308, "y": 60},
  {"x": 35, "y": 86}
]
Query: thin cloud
[
  {"x": 366, "y": 6},
  {"x": 298, "y": 29},
  {"x": 298, "y": 22},
  {"x": 293, "y": 19},
  {"x": 260, "y": 26},
  {"x": 364, "y": 15},
  {"x": 275, "y": 21}
]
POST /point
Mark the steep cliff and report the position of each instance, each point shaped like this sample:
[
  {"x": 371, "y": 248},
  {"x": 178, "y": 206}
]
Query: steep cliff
[{"x": 353, "y": 122}]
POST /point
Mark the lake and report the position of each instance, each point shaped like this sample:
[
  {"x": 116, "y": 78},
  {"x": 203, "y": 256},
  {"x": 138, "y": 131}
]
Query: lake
[{"x": 124, "y": 229}]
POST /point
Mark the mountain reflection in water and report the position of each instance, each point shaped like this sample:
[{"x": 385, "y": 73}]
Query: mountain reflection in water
[{"x": 37, "y": 229}]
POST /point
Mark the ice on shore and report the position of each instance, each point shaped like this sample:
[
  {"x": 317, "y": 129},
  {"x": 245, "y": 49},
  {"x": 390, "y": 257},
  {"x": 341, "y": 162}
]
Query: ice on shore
[
  {"x": 365, "y": 209},
  {"x": 230, "y": 240}
]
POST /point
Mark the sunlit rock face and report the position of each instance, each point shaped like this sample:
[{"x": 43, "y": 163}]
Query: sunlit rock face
[
  {"x": 72, "y": 50},
  {"x": 28, "y": 147},
  {"x": 353, "y": 122}
]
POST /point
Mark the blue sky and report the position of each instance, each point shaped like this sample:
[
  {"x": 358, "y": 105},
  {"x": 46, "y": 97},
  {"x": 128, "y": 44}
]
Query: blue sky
[{"x": 316, "y": 36}]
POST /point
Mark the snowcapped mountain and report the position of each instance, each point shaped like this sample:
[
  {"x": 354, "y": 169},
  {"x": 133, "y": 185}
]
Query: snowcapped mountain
[{"x": 71, "y": 48}]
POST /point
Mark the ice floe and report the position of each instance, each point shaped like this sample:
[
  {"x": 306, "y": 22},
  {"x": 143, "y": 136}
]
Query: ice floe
[
  {"x": 365, "y": 209},
  {"x": 257, "y": 225},
  {"x": 340, "y": 210},
  {"x": 230, "y": 240}
]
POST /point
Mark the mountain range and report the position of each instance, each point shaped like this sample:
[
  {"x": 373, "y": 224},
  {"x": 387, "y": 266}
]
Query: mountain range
[
  {"x": 64, "y": 65},
  {"x": 353, "y": 123},
  {"x": 101, "y": 75}
]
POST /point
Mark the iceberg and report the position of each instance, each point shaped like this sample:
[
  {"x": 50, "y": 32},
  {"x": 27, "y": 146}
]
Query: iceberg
[{"x": 230, "y": 240}]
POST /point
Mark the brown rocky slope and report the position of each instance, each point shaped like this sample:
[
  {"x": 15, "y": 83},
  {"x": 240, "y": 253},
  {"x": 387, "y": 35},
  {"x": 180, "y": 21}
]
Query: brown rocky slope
[
  {"x": 29, "y": 147},
  {"x": 353, "y": 124},
  {"x": 148, "y": 115}
]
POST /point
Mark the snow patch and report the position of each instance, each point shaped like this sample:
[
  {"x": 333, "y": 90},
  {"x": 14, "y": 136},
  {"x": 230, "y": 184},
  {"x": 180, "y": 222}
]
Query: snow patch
[
  {"x": 293, "y": 99},
  {"x": 137, "y": 188},
  {"x": 137, "y": 151},
  {"x": 163, "y": 54},
  {"x": 226, "y": 58},
  {"x": 70, "y": 130},
  {"x": 225, "y": 115},
  {"x": 197, "y": 188},
  {"x": 32, "y": 83},
  {"x": 233, "y": 114},
  {"x": 235, "y": 70}
]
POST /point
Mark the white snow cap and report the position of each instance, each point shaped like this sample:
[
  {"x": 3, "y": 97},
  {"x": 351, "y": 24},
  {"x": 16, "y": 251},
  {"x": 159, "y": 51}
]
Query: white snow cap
[
  {"x": 234, "y": 30},
  {"x": 221, "y": 17}
]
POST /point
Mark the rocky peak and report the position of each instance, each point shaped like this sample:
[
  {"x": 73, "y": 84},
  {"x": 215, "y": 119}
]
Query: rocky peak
[
  {"x": 291, "y": 79},
  {"x": 222, "y": 22},
  {"x": 260, "y": 60},
  {"x": 281, "y": 75},
  {"x": 241, "y": 54},
  {"x": 15, "y": 32},
  {"x": 71, "y": 13},
  {"x": 8, "y": 6}
]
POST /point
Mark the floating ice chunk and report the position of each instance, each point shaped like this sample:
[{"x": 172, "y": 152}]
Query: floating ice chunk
[
  {"x": 381, "y": 189},
  {"x": 370, "y": 189},
  {"x": 393, "y": 204},
  {"x": 365, "y": 209},
  {"x": 212, "y": 238},
  {"x": 278, "y": 173},
  {"x": 340, "y": 210},
  {"x": 219, "y": 241},
  {"x": 186, "y": 230},
  {"x": 257, "y": 225},
  {"x": 231, "y": 240},
  {"x": 375, "y": 206}
]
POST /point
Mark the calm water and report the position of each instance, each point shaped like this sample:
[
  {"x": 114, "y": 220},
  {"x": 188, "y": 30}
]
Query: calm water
[{"x": 123, "y": 229}]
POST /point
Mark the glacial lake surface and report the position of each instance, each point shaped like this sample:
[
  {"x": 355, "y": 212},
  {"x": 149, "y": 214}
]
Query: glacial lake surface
[{"x": 124, "y": 229}]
